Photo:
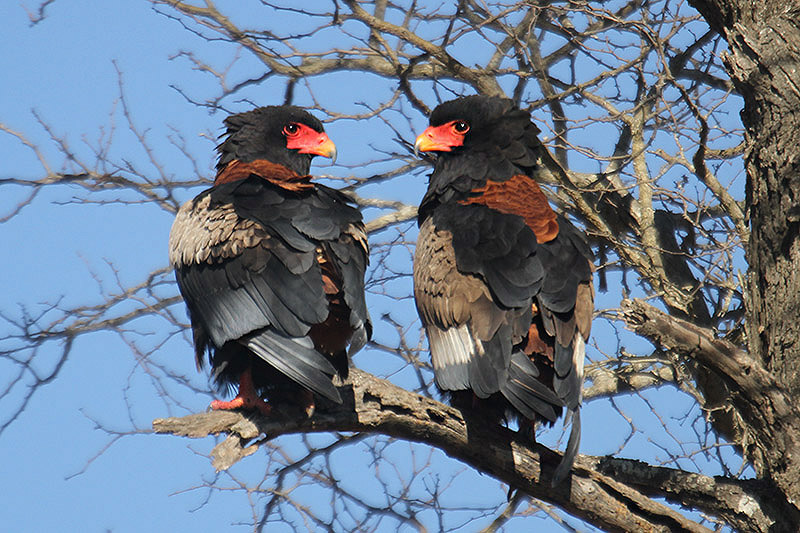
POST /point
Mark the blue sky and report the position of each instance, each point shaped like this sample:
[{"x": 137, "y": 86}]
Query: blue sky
[
  {"x": 66, "y": 71},
  {"x": 62, "y": 69}
]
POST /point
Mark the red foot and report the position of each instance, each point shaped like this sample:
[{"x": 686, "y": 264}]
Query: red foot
[
  {"x": 246, "y": 403},
  {"x": 247, "y": 398}
]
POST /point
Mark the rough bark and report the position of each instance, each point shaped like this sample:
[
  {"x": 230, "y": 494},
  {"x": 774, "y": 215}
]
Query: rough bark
[
  {"x": 764, "y": 63},
  {"x": 614, "y": 494},
  {"x": 760, "y": 399}
]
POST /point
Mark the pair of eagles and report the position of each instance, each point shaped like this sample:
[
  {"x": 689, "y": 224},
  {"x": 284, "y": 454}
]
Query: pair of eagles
[{"x": 271, "y": 266}]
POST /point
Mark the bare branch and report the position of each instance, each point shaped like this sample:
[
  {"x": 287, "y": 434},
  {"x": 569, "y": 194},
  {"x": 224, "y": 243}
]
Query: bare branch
[
  {"x": 375, "y": 405},
  {"x": 760, "y": 399}
]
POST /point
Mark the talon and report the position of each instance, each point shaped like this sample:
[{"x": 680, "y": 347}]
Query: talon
[
  {"x": 245, "y": 403},
  {"x": 247, "y": 398},
  {"x": 233, "y": 404}
]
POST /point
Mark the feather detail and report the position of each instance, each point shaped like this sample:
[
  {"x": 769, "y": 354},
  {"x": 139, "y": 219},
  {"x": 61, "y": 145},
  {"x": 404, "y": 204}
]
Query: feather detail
[
  {"x": 520, "y": 196},
  {"x": 271, "y": 267},
  {"x": 502, "y": 283}
]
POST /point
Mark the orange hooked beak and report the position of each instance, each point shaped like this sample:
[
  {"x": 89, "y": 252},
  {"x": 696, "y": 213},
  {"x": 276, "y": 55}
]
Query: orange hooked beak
[{"x": 320, "y": 145}]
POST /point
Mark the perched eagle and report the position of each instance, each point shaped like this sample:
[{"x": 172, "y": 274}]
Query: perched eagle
[
  {"x": 503, "y": 284},
  {"x": 271, "y": 265}
]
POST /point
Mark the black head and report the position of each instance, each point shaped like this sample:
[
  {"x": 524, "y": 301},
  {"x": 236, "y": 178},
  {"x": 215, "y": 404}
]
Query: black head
[
  {"x": 286, "y": 135},
  {"x": 477, "y": 138},
  {"x": 474, "y": 123}
]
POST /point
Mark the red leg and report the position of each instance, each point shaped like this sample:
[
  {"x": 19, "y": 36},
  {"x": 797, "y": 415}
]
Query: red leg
[{"x": 247, "y": 398}]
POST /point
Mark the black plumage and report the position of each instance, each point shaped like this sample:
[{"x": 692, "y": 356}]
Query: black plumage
[
  {"x": 271, "y": 266},
  {"x": 502, "y": 283}
]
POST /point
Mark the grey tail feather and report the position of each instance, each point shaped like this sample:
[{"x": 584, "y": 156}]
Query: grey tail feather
[
  {"x": 565, "y": 466},
  {"x": 300, "y": 363}
]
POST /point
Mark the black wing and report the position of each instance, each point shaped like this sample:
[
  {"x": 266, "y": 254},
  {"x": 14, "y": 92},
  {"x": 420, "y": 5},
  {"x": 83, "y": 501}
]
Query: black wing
[{"x": 246, "y": 260}]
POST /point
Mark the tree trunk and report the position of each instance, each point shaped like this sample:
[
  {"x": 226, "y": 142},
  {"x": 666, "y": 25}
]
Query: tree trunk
[{"x": 764, "y": 64}]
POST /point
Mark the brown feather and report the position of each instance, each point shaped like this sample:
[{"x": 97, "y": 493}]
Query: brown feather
[
  {"x": 584, "y": 308},
  {"x": 205, "y": 234},
  {"x": 520, "y": 196},
  {"x": 358, "y": 234},
  {"x": 445, "y": 296},
  {"x": 538, "y": 342},
  {"x": 332, "y": 335},
  {"x": 278, "y": 174}
]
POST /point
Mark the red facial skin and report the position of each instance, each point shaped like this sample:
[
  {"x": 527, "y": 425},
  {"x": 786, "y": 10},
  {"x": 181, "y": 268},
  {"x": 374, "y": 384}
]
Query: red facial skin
[
  {"x": 308, "y": 141},
  {"x": 442, "y": 138}
]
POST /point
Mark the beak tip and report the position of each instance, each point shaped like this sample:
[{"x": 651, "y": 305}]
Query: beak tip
[{"x": 327, "y": 148}]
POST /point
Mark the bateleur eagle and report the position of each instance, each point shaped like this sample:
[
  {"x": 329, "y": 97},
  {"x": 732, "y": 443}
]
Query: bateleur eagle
[
  {"x": 271, "y": 265},
  {"x": 503, "y": 284}
]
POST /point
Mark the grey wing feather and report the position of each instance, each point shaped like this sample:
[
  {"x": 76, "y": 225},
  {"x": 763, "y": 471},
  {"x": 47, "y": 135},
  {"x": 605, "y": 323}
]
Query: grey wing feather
[
  {"x": 524, "y": 391},
  {"x": 488, "y": 369},
  {"x": 451, "y": 350},
  {"x": 297, "y": 359}
]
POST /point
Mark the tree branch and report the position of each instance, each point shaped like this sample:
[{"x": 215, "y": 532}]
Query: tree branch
[
  {"x": 699, "y": 343},
  {"x": 747, "y": 505},
  {"x": 761, "y": 400},
  {"x": 614, "y": 502},
  {"x": 482, "y": 81}
]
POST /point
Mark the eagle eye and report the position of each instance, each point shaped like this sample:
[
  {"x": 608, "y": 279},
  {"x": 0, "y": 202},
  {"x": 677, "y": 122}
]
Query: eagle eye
[
  {"x": 460, "y": 127},
  {"x": 290, "y": 130}
]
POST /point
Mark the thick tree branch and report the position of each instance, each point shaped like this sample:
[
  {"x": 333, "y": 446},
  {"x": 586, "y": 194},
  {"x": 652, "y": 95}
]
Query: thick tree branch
[
  {"x": 614, "y": 502},
  {"x": 747, "y": 505},
  {"x": 761, "y": 400},
  {"x": 732, "y": 363}
]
